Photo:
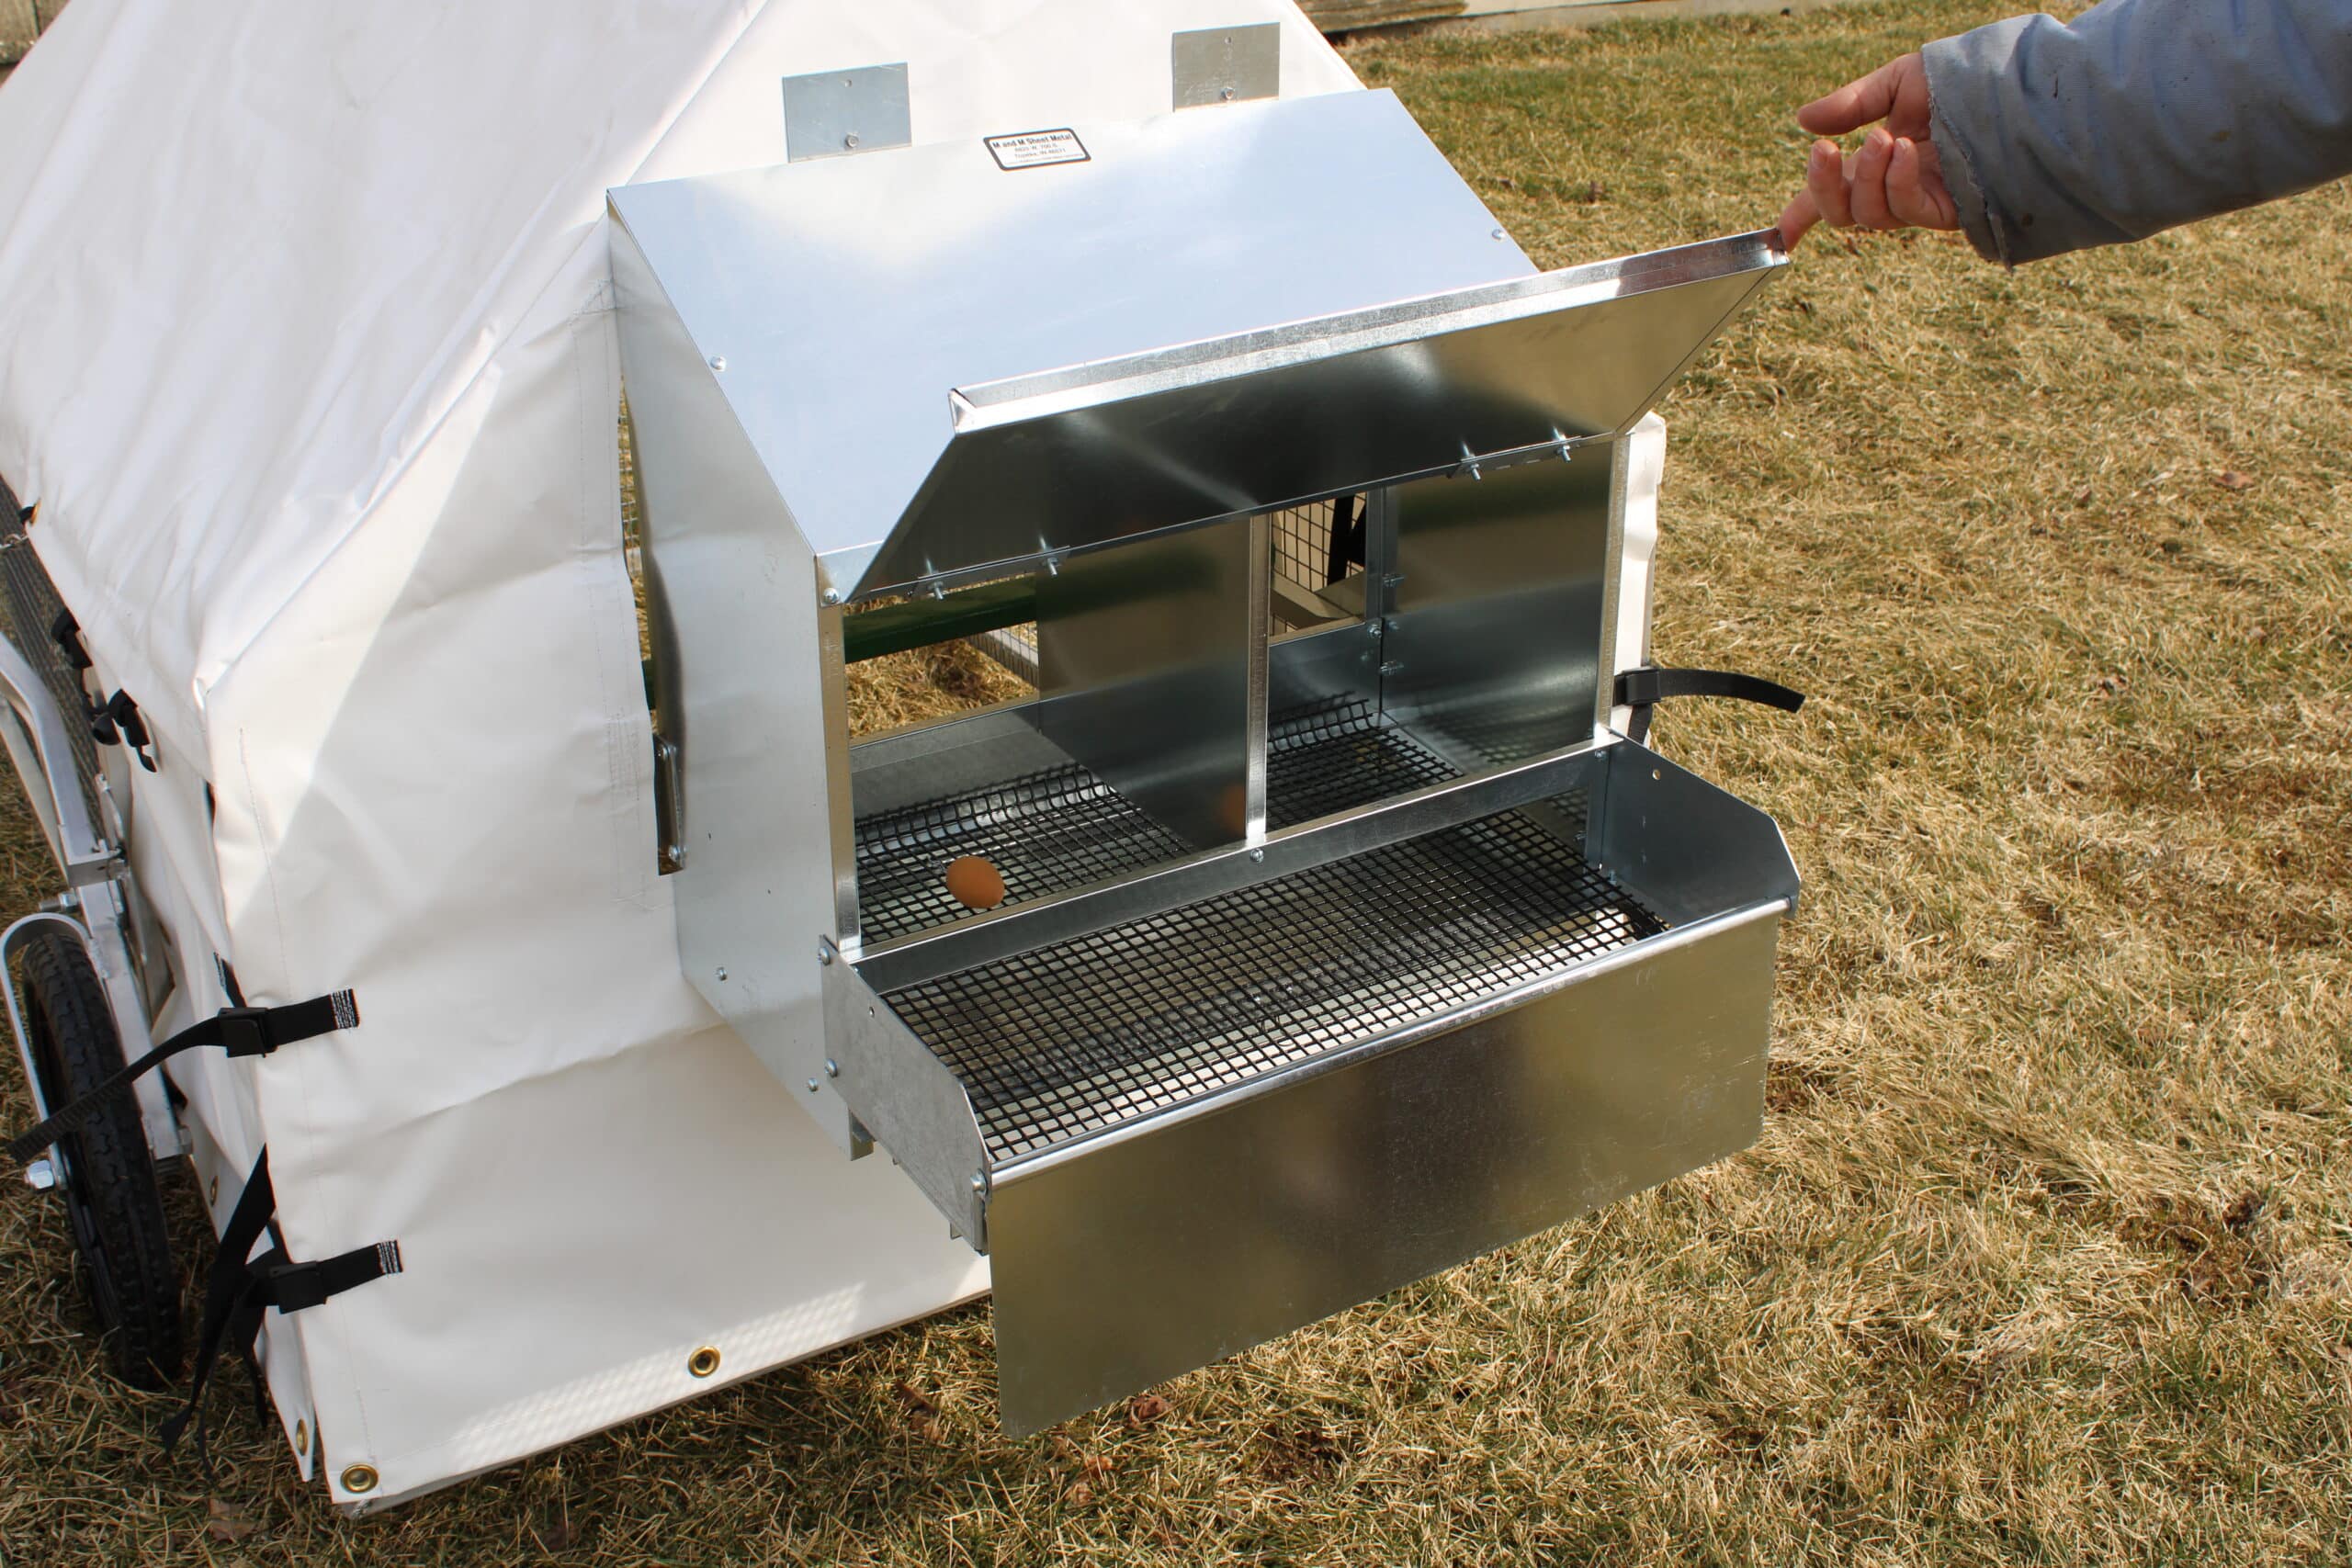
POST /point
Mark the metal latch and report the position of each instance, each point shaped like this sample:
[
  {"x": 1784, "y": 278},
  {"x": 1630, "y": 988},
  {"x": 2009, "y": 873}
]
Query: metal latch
[
  {"x": 1226, "y": 65},
  {"x": 831, "y": 114}
]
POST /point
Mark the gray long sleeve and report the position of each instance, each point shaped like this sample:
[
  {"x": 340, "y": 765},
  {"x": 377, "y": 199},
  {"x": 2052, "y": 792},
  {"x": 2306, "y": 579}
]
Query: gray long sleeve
[{"x": 2138, "y": 116}]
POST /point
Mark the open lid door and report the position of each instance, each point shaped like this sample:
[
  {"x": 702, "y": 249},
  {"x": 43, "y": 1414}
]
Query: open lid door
[{"x": 952, "y": 361}]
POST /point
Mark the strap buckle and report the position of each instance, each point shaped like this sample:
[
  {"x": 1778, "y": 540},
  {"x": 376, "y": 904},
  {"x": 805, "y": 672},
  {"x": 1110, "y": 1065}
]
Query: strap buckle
[
  {"x": 245, "y": 1032},
  {"x": 295, "y": 1287},
  {"x": 1641, "y": 688}
]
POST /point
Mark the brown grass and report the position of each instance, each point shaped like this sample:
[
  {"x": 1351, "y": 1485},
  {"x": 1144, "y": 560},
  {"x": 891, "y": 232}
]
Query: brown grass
[{"x": 2046, "y": 1255}]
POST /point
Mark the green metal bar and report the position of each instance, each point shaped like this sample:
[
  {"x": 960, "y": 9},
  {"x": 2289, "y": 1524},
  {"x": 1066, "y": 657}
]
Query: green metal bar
[{"x": 921, "y": 623}]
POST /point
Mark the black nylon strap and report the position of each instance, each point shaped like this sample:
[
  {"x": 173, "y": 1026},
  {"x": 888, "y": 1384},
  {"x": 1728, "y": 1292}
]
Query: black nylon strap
[
  {"x": 241, "y": 1289},
  {"x": 225, "y": 1289},
  {"x": 240, "y": 1031},
  {"x": 1644, "y": 688},
  {"x": 296, "y": 1287}
]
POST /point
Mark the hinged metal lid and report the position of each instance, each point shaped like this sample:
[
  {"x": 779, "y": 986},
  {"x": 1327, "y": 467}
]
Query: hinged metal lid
[{"x": 948, "y": 361}]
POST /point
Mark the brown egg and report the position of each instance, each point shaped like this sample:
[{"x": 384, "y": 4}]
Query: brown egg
[{"x": 975, "y": 882}]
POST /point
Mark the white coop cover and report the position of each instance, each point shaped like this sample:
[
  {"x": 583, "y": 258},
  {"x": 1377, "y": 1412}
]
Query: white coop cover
[{"x": 307, "y": 356}]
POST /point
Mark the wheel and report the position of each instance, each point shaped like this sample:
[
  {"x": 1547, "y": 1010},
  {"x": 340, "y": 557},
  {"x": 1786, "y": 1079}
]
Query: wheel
[{"x": 107, "y": 1176}]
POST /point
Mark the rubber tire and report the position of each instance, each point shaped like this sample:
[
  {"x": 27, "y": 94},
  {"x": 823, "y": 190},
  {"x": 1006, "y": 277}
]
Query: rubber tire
[{"x": 108, "y": 1175}]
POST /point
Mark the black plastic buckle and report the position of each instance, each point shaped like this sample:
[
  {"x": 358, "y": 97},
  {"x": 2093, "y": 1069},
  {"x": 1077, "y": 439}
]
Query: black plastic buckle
[
  {"x": 1641, "y": 688},
  {"x": 245, "y": 1032},
  {"x": 294, "y": 1286}
]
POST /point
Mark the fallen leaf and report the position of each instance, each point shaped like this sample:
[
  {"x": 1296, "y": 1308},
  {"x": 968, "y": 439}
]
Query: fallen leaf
[
  {"x": 228, "y": 1523},
  {"x": 1147, "y": 1408},
  {"x": 1097, "y": 1465},
  {"x": 2230, "y": 479},
  {"x": 916, "y": 1399}
]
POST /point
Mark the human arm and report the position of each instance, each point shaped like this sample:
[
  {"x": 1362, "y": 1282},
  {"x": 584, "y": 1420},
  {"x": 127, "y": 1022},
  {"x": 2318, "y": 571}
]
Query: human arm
[{"x": 2050, "y": 137}]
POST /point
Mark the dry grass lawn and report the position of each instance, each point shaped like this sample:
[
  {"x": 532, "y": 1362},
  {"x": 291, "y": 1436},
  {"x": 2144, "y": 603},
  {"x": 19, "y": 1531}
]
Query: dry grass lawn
[{"x": 2046, "y": 1254}]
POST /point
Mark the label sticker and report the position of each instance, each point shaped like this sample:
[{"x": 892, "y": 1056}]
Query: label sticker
[{"x": 1036, "y": 148}]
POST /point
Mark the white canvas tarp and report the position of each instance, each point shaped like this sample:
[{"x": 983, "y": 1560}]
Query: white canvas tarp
[{"x": 306, "y": 355}]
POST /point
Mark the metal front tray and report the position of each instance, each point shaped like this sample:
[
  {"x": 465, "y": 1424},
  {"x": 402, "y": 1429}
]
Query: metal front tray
[{"x": 1211, "y": 1120}]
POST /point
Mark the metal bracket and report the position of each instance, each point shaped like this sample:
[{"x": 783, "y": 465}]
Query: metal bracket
[
  {"x": 1225, "y": 66},
  {"x": 833, "y": 113},
  {"x": 669, "y": 804},
  {"x": 1477, "y": 464}
]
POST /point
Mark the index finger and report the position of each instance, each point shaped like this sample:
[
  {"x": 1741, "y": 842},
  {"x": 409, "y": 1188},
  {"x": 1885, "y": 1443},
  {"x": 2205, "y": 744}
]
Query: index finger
[
  {"x": 1797, "y": 218},
  {"x": 1856, "y": 104}
]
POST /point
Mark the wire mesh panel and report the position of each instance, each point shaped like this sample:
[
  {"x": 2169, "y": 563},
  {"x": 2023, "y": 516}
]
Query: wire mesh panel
[
  {"x": 1064, "y": 829},
  {"x": 33, "y": 607},
  {"x": 1044, "y": 833},
  {"x": 1064, "y": 1040},
  {"x": 1304, "y": 543},
  {"x": 1339, "y": 756}
]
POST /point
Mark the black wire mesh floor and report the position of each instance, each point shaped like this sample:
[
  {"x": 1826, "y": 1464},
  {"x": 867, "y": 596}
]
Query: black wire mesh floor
[
  {"x": 1064, "y": 1040},
  {"x": 1065, "y": 828}
]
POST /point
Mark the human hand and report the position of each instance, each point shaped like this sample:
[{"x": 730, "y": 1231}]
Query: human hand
[{"x": 1896, "y": 180}]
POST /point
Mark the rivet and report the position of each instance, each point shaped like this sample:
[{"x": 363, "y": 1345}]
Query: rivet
[
  {"x": 979, "y": 1181},
  {"x": 832, "y": 596},
  {"x": 1257, "y": 854},
  {"x": 360, "y": 1478},
  {"x": 1500, "y": 234},
  {"x": 703, "y": 1362},
  {"x": 719, "y": 362},
  {"x": 833, "y": 1069},
  {"x": 1226, "y": 94},
  {"x": 722, "y": 971},
  {"x": 850, "y": 141},
  {"x": 1656, "y": 775},
  {"x": 824, "y": 950},
  {"x": 812, "y": 1086}
]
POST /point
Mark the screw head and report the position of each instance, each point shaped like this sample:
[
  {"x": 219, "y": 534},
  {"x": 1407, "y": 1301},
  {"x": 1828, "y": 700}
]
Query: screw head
[
  {"x": 41, "y": 1176},
  {"x": 833, "y": 1069},
  {"x": 1257, "y": 854},
  {"x": 824, "y": 950},
  {"x": 850, "y": 141},
  {"x": 979, "y": 1181},
  {"x": 1500, "y": 235},
  {"x": 812, "y": 1086},
  {"x": 722, "y": 971},
  {"x": 719, "y": 362},
  {"x": 1226, "y": 94}
]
